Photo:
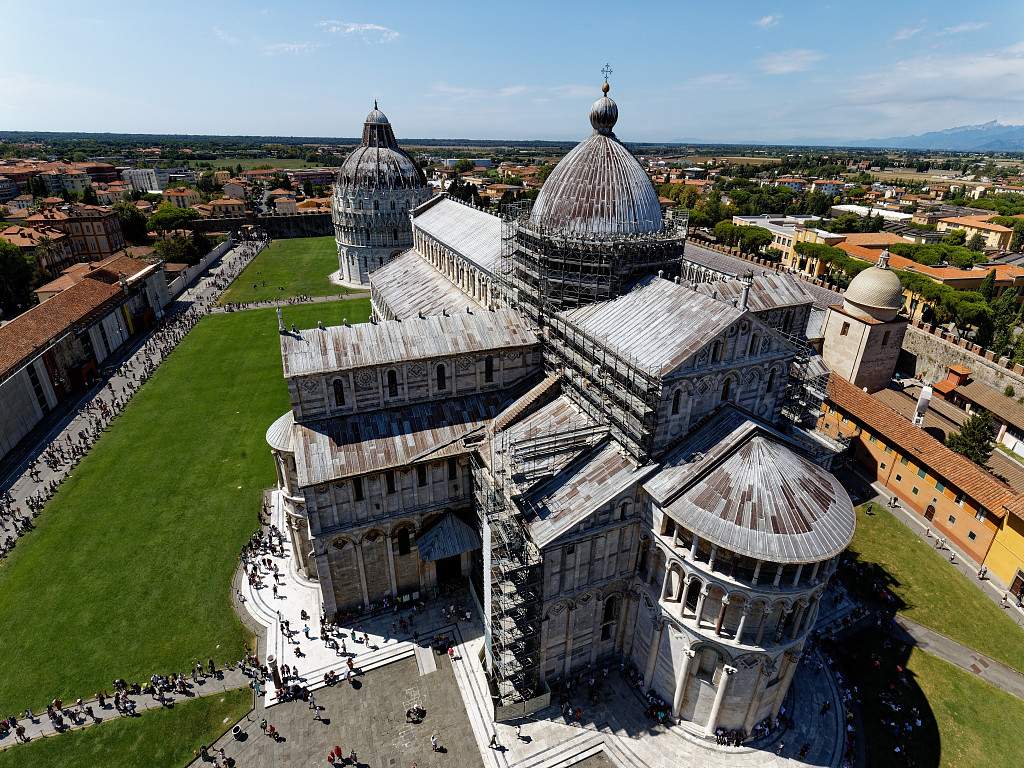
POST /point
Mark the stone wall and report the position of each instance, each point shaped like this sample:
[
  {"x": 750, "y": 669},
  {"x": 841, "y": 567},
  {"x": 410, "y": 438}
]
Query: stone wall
[{"x": 928, "y": 352}]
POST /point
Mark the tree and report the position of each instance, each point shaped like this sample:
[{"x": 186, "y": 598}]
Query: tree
[
  {"x": 205, "y": 184},
  {"x": 974, "y": 440},
  {"x": 133, "y": 222},
  {"x": 976, "y": 243},
  {"x": 37, "y": 186},
  {"x": 753, "y": 239},
  {"x": 167, "y": 218},
  {"x": 988, "y": 285},
  {"x": 463, "y": 165},
  {"x": 725, "y": 232},
  {"x": 1004, "y": 318},
  {"x": 89, "y": 196},
  {"x": 307, "y": 188},
  {"x": 17, "y": 279},
  {"x": 955, "y": 237}
]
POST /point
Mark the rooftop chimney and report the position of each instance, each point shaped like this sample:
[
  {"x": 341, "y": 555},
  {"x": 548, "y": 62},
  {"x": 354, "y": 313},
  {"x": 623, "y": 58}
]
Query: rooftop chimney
[{"x": 748, "y": 280}]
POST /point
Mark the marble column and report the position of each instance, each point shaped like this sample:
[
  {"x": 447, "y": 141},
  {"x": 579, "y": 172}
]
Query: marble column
[
  {"x": 716, "y": 708},
  {"x": 685, "y": 594},
  {"x": 362, "y": 574},
  {"x": 800, "y": 612},
  {"x": 721, "y": 615},
  {"x": 681, "y": 683},
  {"x": 743, "y": 622},
  {"x": 778, "y": 575},
  {"x": 699, "y": 611},
  {"x": 693, "y": 547},
  {"x": 391, "y": 566},
  {"x": 787, "y": 678},
  {"x": 652, "y": 653},
  {"x": 765, "y": 615},
  {"x": 666, "y": 585}
]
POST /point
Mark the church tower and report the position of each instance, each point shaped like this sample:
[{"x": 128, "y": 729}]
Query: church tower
[
  {"x": 377, "y": 186},
  {"x": 864, "y": 334}
]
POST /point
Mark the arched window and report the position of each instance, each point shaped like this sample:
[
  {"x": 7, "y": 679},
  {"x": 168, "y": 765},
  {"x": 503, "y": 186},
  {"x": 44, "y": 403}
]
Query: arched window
[
  {"x": 771, "y": 382},
  {"x": 489, "y": 369},
  {"x": 611, "y": 610},
  {"x": 716, "y": 352},
  {"x": 755, "y": 339},
  {"x": 441, "y": 376},
  {"x": 726, "y": 389},
  {"x": 677, "y": 398},
  {"x": 623, "y": 510},
  {"x": 339, "y": 393},
  {"x": 392, "y": 384}
]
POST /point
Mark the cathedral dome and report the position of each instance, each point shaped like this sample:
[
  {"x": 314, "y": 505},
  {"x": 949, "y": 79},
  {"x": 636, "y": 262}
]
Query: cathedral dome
[
  {"x": 378, "y": 161},
  {"x": 876, "y": 292},
  {"x": 599, "y": 188}
]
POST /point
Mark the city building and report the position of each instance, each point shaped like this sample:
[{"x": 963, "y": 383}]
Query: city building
[
  {"x": 141, "y": 179},
  {"x": 50, "y": 247},
  {"x": 8, "y": 189},
  {"x": 227, "y": 206},
  {"x": 972, "y": 396},
  {"x": 995, "y": 236},
  {"x": 181, "y": 197},
  {"x": 377, "y": 186},
  {"x": 95, "y": 232},
  {"x": 783, "y": 228},
  {"x": 285, "y": 204},
  {"x": 50, "y": 354},
  {"x": 608, "y": 489}
]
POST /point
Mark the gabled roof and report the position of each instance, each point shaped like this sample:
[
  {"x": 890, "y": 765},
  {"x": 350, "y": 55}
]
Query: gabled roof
[
  {"x": 768, "y": 291},
  {"x": 919, "y": 446},
  {"x": 411, "y": 285},
  {"x": 742, "y": 485},
  {"x": 659, "y": 324},
  {"x": 473, "y": 233},
  {"x": 344, "y": 347}
]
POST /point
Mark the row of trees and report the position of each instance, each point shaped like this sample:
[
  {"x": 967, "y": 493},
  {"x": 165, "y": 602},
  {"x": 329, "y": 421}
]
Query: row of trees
[{"x": 749, "y": 239}]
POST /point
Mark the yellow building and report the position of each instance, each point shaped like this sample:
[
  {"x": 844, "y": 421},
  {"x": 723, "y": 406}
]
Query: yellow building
[
  {"x": 1005, "y": 558},
  {"x": 996, "y": 236}
]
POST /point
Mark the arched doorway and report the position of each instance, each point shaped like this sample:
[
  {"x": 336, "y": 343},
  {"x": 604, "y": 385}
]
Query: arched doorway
[{"x": 930, "y": 512}]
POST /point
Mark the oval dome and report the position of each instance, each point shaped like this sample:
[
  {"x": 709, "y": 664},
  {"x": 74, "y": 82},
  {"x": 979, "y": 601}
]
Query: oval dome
[
  {"x": 876, "y": 290},
  {"x": 599, "y": 188},
  {"x": 378, "y": 161}
]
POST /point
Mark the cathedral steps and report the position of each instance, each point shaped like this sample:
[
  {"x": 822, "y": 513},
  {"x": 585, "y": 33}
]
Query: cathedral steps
[{"x": 567, "y": 753}]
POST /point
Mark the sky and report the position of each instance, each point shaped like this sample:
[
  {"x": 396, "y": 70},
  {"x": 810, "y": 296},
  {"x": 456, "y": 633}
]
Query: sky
[{"x": 733, "y": 71}]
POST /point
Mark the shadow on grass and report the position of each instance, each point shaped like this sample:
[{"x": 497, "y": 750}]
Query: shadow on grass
[{"x": 897, "y": 726}]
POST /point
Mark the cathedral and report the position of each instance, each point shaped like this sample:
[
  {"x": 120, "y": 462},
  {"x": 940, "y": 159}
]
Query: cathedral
[{"x": 555, "y": 410}]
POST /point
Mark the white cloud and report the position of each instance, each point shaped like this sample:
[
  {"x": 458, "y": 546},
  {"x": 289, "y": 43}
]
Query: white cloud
[
  {"x": 277, "y": 49},
  {"x": 788, "y": 62},
  {"x": 967, "y": 26},
  {"x": 906, "y": 33},
  {"x": 568, "y": 91},
  {"x": 769, "y": 21},
  {"x": 225, "y": 37},
  {"x": 373, "y": 33}
]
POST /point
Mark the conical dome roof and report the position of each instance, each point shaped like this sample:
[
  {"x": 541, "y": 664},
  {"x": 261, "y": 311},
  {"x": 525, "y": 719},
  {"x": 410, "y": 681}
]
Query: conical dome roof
[
  {"x": 876, "y": 291},
  {"x": 599, "y": 188},
  {"x": 378, "y": 161}
]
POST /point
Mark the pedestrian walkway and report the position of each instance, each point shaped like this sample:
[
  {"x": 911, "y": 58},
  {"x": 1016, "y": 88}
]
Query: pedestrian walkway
[
  {"x": 208, "y": 685},
  {"x": 283, "y": 303},
  {"x": 991, "y": 671}
]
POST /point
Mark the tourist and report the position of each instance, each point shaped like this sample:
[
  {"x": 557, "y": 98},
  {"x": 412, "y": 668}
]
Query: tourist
[{"x": 435, "y": 745}]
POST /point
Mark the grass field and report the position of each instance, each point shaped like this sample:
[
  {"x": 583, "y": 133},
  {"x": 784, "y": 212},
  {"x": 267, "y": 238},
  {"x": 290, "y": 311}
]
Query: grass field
[
  {"x": 978, "y": 724},
  {"x": 164, "y": 737},
  {"x": 129, "y": 570},
  {"x": 249, "y": 163},
  {"x": 294, "y": 267},
  {"x": 934, "y": 594}
]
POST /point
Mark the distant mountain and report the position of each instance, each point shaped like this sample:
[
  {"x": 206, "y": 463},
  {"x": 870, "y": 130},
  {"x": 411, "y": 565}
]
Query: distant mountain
[{"x": 992, "y": 136}]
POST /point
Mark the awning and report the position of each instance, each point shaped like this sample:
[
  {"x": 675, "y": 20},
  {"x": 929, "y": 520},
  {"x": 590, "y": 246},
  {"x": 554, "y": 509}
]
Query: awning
[{"x": 448, "y": 538}]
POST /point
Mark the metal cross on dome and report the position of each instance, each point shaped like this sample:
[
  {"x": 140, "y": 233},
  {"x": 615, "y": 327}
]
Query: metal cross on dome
[{"x": 606, "y": 70}]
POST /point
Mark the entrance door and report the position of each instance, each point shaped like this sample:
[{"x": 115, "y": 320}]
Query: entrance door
[
  {"x": 449, "y": 572},
  {"x": 929, "y": 513},
  {"x": 1017, "y": 588}
]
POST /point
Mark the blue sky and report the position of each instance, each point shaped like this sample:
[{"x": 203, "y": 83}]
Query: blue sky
[{"x": 683, "y": 70}]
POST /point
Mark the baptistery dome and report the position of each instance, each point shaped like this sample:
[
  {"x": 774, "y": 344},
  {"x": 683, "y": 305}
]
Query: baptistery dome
[
  {"x": 599, "y": 188},
  {"x": 378, "y": 161}
]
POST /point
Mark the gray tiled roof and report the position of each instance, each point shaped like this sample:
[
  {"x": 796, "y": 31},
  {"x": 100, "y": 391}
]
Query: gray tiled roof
[
  {"x": 411, "y": 285},
  {"x": 659, "y": 324},
  {"x": 473, "y": 233},
  {"x": 768, "y": 291},
  {"x": 341, "y": 347},
  {"x": 739, "y": 484}
]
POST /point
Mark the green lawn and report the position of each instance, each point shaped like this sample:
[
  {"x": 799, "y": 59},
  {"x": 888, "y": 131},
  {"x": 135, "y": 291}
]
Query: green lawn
[
  {"x": 978, "y": 724},
  {"x": 286, "y": 268},
  {"x": 934, "y": 593},
  {"x": 164, "y": 737},
  {"x": 129, "y": 570}
]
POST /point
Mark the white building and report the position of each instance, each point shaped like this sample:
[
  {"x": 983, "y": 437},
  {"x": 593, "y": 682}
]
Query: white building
[{"x": 141, "y": 179}]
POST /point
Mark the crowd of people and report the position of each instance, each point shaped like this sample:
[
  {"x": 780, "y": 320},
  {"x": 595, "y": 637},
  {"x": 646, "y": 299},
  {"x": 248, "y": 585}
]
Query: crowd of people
[
  {"x": 302, "y": 298},
  {"x": 66, "y": 450}
]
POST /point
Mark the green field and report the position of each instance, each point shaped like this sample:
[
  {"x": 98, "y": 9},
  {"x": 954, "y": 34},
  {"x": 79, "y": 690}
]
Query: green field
[
  {"x": 296, "y": 267},
  {"x": 249, "y": 163},
  {"x": 164, "y": 737},
  {"x": 978, "y": 724},
  {"x": 934, "y": 593},
  {"x": 129, "y": 569}
]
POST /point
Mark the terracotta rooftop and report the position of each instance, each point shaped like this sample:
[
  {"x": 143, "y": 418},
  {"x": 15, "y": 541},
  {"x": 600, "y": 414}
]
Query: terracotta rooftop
[
  {"x": 30, "y": 237},
  {"x": 921, "y": 447},
  {"x": 977, "y": 222}
]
